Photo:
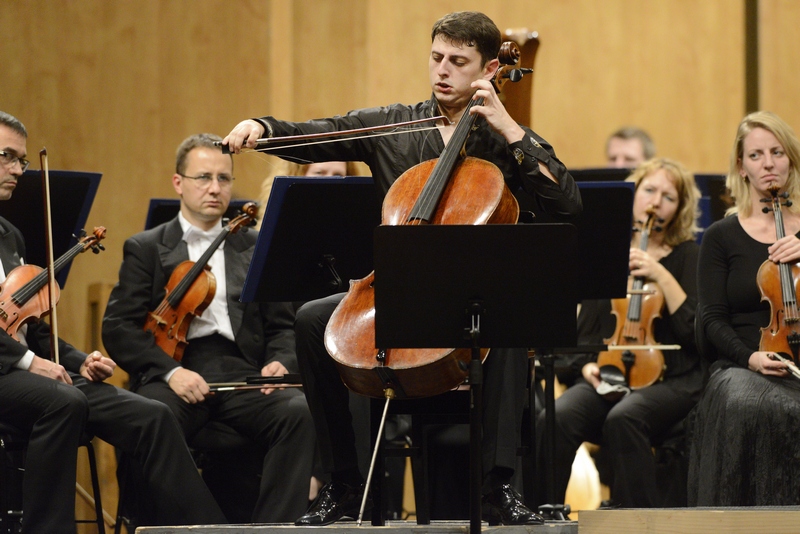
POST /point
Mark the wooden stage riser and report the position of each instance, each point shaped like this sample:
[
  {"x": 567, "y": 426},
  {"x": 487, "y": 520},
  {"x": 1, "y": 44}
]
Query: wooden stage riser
[
  {"x": 394, "y": 527},
  {"x": 775, "y": 520}
]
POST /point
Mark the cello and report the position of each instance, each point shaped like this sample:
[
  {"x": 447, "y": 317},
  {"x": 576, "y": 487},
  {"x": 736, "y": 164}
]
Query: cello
[
  {"x": 778, "y": 285},
  {"x": 452, "y": 189},
  {"x": 21, "y": 300},
  {"x": 189, "y": 291},
  {"x": 632, "y": 349}
]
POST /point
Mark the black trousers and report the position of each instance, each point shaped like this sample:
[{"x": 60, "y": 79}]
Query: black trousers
[
  {"x": 280, "y": 421},
  {"x": 625, "y": 428},
  {"x": 56, "y": 414},
  {"x": 505, "y": 380}
]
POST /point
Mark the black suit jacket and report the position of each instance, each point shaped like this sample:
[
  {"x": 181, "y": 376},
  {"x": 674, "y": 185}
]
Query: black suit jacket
[
  {"x": 12, "y": 251},
  {"x": 264, "y": 332}
]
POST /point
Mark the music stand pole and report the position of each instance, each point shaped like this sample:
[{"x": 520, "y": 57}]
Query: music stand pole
[{"x": 475, "y": 423}]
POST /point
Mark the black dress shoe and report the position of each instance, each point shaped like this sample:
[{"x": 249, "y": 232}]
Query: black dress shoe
[
  {"x": 506, "y": 507},
  {"x": 335, "y": 501}
]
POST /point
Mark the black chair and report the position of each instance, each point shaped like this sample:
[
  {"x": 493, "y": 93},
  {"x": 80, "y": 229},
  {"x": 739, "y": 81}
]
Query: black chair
[
  {"x": 449, "y": 408},
  {"x": 222, "y": 455},
  {"x": 14, "y": 443},
  {"x": 442, "y": 421}
]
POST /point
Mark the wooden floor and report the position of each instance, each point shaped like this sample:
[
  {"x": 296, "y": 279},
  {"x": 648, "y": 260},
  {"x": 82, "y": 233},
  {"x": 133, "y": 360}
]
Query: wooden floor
[{"x": 775, "y": 520}]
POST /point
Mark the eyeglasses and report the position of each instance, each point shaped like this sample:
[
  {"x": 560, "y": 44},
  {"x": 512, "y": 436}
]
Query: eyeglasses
[
  {"x": 204, "y": 180},
  {"x": 10, "y": 159}
]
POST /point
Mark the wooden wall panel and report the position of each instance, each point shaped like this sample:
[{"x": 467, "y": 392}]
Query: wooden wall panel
[
  {"x": 674, "y": 68},
  {"x": 779, "y": 58}
]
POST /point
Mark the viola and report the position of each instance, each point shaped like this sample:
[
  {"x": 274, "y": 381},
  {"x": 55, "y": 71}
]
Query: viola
[
  {"x": 451, "y": 189},
  {"x": 189, "y": 291},
  {"x": 633, "y": 350},
  {"x": 778, "y": 286},
  {"x": 22, "y": 298}
]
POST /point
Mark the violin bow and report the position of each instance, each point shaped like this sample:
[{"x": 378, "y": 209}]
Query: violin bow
[
  {"x": 48, "y": 232},
  {"x": 262, "y": 144}
]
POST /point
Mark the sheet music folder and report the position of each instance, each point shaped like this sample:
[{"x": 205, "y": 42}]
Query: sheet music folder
[
  {"x": 72, "y": 195},
  {"x": 522, "y": 274},
  {"x": 604, "y": 237},
  {"x": 307, "y": 222},
  {"x": 163, "y": 210}
]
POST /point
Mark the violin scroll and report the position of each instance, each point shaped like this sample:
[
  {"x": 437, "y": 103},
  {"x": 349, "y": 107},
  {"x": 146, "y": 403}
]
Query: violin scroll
[
  {"x": 92, "y": 242},
  {"x": 247, "y": 218}
]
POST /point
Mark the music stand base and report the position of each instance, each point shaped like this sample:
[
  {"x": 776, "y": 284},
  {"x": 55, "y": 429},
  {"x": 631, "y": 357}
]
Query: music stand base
[{"x": 555, "y": 512}]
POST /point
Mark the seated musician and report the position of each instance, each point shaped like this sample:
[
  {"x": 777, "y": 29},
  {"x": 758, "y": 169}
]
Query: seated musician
[
  {"x": 745, "y": 450},
  {"x": 55, "y": 403},
  {"x": 228, "y": 342},
  {"x": 463, "y": 59},
  {"x": 629, "y": 147},
  {"x": 624, "y": 422}
]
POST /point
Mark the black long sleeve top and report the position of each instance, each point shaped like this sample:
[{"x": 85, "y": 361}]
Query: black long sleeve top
[{"x": 388, "y": 156}]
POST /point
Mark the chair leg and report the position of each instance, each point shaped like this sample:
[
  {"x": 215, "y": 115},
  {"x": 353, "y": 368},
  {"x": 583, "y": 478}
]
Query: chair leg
[
  {"x": 98, "y": 504},
  {"x": 96, "y": 496}
]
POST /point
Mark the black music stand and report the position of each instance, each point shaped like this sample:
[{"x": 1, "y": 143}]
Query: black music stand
[
  {"x": 472, "y": 287},
  {"x": 604, "y": 237},
  {"x": 163, "y": 210},
  {"x": 75, "y": 191},
  {"x": 316, "y": 236}
]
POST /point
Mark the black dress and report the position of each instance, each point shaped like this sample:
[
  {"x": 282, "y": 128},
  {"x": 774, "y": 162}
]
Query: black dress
[{"x": 744, "y": 446}]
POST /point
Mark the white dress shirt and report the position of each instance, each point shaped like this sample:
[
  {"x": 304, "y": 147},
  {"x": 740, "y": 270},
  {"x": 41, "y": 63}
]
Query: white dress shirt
[{"x": 215, "y": 318}]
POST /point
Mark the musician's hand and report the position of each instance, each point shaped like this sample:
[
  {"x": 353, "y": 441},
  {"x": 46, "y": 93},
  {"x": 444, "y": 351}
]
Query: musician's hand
[
  {"x": 273, "y": 369},
  {"x": 498, "y": 118},
  {"x": 591, "y": 373},
  {"x": 762, "y": 362},
  {"x": 244, "y": 134},
  {"x": 97, "y": 367},
  {"x": 495, "y": 112},
  {"x": 49, "y": 369},
  {"x": 189, "y": 386},
  {"x": 785, "y": 250}
]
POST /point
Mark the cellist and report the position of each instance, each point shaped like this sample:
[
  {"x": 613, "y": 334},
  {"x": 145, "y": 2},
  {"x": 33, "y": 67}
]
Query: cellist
[
  {"x": 55, "y": 403},
  {"x": 227, "y": 342},
  {"x": 462, "y": 60},
  {"x": 624, "y": 423}
]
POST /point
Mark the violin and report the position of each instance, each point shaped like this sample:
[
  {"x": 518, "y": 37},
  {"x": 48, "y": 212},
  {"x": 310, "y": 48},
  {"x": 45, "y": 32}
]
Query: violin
[
  {"x": 21, "y": 298},
  {"x": 632, "y": 349},
  {"x": 778, "y": 285},
  {"x": 189, "y": 291},
  {"x": 451, "y": 189}
]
